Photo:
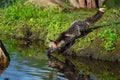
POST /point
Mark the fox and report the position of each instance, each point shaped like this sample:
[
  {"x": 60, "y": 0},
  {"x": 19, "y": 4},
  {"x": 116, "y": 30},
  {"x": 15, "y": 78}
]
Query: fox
[{"x": 76, "y": 30}]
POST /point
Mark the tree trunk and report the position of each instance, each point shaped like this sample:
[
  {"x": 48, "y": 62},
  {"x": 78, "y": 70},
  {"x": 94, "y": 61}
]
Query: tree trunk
[
  {"x": 91, "y": 4},
  {"x": 100, "y": 3},
  {"x": 87, "y": 3},
  {"x": 74, "y": 3},
  {"x": 82, "y": 4}
]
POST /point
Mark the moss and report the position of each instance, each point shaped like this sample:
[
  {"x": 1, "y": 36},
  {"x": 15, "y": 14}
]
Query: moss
[{"x": 60, "y": 57}]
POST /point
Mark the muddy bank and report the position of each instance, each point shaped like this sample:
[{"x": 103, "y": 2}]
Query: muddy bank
[
  {"x": 96, "y": 50},
  {"x": 88, "y": 46},
  {"x": 94, "y": 44}
]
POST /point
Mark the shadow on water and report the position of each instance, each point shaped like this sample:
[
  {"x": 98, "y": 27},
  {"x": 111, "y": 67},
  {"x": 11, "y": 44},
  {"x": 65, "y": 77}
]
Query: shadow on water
[{"x": 81, "y": 68}]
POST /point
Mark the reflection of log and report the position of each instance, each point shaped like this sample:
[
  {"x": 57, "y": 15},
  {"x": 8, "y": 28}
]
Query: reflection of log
[
  {"x": 3, "y": 66},
  {"x": 91, "y": 4},
  {"x": 100, "y": 2},
  {"x": 4, "y": 57}
]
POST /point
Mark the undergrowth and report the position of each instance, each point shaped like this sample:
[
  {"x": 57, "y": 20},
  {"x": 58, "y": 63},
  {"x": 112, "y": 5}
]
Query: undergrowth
[
  {"x": 51, "y": 22},
  {"x": 109, "y": 37}
]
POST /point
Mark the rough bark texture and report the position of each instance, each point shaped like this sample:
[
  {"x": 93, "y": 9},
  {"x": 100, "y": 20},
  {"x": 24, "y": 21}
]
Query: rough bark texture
[
  {"x": 48, "y": 3},
  {"x": 75, "y": 3},
  {"x": 87, "y": 3},
  {"x": 100, "y": 3},
  {"x": 82, "y": 3},
  {"x": 41, "y": 3},
  {"x": 91, "y": 4}
]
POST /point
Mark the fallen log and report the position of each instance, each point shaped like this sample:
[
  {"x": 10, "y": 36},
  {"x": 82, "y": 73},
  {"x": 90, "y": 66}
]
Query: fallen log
[
  {"x": 4, "y": 55},
  {"x": 4, "y": 58}
]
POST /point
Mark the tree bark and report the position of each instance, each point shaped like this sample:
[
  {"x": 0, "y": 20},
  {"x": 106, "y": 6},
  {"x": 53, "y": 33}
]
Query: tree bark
[
  {"x": 87, "y": 3},
  {"x": 82, "y": 3},
  {"x": 91, "y": 4},
  {"x": 100, "y": 3},
  {"x": 75, "y": 3}
]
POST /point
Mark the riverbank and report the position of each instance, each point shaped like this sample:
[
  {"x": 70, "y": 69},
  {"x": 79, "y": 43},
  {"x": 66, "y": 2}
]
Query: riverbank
[{"x": 27, "y": 22}]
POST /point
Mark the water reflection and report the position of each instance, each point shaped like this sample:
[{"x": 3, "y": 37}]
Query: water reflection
[
  {"x": 27, "y": 62},
  {"x": 84, "y": 68},
  {"x": 3, "y": 66},
  {"x": 31, "y": 63},
  {"x": 68, "y": 69}
]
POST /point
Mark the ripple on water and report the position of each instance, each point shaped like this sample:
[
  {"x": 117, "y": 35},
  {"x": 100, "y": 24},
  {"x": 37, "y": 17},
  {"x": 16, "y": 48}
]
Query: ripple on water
[{"x": 21, "y": 69}]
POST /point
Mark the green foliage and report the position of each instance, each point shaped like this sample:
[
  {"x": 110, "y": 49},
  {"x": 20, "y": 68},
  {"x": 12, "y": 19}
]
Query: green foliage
[
  {"x": 17, "y": 48},
  {"x": 19, "y": 13},
  {"x": 107, "y": 76},
  {"x": 109, "y": 36},
  {"x": 109, "y": 45},
  {"x": 51, "y": 22},
  {"x": 60, "y": 57}
]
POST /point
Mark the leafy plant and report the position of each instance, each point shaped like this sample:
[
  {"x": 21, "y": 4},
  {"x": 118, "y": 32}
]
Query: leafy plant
[
  {"x": 109, "y": 45},
  {"x": 109, "y": 36}
]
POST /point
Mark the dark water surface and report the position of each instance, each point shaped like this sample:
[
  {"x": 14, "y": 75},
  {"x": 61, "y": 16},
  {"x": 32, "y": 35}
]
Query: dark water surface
[{"x": 32, "y": 63}]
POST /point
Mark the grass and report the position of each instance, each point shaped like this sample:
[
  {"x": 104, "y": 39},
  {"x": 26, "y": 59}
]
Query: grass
[
  {"x": 15, "y": 18},
  {"x": 51, "y": 22},
  {"x": 109, "y": 37}
]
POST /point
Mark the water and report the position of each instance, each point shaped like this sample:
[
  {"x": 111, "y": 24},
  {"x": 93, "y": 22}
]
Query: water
[
  {"x": 25, "y": 67},
  {"x": 32, "y": 63}
]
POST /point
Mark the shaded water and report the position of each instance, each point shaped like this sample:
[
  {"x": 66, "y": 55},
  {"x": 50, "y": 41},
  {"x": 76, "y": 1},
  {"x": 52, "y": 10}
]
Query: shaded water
[{"x": 32, "y": 63}]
